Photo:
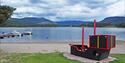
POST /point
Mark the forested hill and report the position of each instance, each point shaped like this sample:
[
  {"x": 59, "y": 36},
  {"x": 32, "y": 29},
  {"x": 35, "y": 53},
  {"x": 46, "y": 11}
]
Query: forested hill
[{"x": 114, "y": 20}]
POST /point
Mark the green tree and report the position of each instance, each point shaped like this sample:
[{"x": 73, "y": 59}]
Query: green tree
[{"x": 5, "y": 13}]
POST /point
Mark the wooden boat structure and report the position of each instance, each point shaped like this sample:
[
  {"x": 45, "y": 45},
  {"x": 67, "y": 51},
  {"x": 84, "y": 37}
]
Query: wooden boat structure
[
  {"x": 98, "y": 47},
  {"x": 14, "y": 34}
]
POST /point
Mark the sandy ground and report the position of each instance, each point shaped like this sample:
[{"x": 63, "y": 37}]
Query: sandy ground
[
  {"x": 34, "y": 47},
  {"x": 49, "y": 47}
]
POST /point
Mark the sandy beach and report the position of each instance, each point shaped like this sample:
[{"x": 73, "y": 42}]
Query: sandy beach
[{"x": 47, "y": 47}]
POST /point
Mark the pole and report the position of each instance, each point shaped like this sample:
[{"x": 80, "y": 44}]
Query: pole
[
  {"x": 82, "y": 37},
  {"x": 94, "y": 27}
]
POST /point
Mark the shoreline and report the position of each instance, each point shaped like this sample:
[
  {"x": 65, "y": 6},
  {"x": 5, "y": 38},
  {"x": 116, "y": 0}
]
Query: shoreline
[
  {"x": 58, "y": 26},
  {"x": 52, "y": 42}
]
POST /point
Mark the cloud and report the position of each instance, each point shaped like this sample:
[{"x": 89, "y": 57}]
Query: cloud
[
  {"x": 35, "y": 1},
  {"x": 116, "y": 9},
  {"x": 15, "y": 3},
  {"x": 67, "y": 9}
]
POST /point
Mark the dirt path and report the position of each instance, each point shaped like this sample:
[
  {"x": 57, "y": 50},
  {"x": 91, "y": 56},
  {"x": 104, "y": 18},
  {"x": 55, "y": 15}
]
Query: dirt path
[{"x": 48, "y": 47}]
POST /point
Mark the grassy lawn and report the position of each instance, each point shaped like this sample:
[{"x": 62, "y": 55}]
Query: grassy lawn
[
  {"x": 120, "y": 58},
  {"x": 55, "y": 57},
  {"x": 37, "y": 58}
]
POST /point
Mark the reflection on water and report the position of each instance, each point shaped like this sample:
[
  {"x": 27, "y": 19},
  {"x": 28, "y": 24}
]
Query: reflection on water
[{"x": 59, "y": 34}]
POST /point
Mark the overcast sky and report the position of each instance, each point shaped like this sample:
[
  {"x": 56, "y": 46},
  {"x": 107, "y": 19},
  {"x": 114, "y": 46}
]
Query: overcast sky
[{"x": 56, "y": 10}]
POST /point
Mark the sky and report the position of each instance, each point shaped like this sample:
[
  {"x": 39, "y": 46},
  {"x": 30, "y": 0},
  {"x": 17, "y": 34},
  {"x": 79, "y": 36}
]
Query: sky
[{"x": 58, "y": 10}]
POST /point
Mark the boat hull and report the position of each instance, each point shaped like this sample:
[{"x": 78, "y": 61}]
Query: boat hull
[{"x": 91, "y": 53}]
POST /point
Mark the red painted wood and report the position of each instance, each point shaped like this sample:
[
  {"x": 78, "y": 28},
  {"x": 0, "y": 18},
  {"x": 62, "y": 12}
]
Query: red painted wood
[
  {"x": 78, "y": 49},
  {"x": 83, "y": 37},
  {"x": 89, "y": 42},
  {"x": 107, "y": 42},
  {"x": 115, "y": 42},
  {"x": 94, "y": 27},
  {"x": 101, "y": 48}
]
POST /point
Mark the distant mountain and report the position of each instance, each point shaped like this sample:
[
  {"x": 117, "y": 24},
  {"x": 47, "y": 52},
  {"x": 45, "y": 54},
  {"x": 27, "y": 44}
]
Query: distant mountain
[
  {"x": 72, "y": 22},
  {"x": 114, "y": 20},
  {"x": 29, "y": 21},
  {"x": 32, "y": 20}
]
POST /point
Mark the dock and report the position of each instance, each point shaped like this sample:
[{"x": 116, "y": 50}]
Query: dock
[{"x": 14, "y": 34}]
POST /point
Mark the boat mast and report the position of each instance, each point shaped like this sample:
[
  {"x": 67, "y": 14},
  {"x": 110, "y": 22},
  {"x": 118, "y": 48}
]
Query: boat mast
[
  {"x": 82, "y": 37},
  {"x": 94, "y": 27}
]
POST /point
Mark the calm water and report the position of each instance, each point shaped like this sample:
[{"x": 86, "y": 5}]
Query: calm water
[{"x": 59, "y": 34}]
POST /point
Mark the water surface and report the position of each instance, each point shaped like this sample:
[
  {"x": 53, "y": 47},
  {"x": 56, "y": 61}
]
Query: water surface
[{"x": 59, "y": 34}]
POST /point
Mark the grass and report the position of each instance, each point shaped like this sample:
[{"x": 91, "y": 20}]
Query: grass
[
  {"x": 38, "y": 58},
  {"x": 55, "y": 57},
  {"x": 120, "y": 58}
]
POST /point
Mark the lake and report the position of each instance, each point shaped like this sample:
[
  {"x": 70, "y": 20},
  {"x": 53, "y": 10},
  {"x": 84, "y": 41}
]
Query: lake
[{"x": 59, "y": 34}]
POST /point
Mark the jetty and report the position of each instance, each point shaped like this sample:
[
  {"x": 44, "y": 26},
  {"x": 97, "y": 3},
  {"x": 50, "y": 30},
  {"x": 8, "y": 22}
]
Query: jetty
[{"x": 14, "y": 34}]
